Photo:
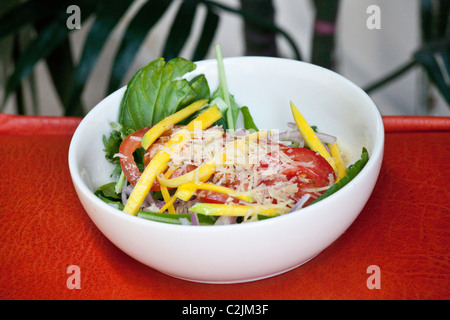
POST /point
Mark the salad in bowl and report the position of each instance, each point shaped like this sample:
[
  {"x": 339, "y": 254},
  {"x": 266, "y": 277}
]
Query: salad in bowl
[{"x": 181, "y": 156}]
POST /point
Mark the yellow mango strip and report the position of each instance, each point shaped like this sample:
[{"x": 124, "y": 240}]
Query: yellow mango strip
[
  {"x": 165, "y": 192},
  {"x": 167, "y": 199},
  {"x": 310, "y": 136},
  {"x": 168, "y": 204},
  {"x": 159, "y": 162},
  {"x": 213, "y": 209},
  {"x": 200, "y": 173},
  {"x": 157, "y": 130},
  {"x": 208, "y": 117},
  {"x": 205, "y": 119},
  {"x": 340, "y": 166},
  {"x": 186, "y": 191},
  {"x": 157, "y": 165},
  {"x": 216, "y": 188}
]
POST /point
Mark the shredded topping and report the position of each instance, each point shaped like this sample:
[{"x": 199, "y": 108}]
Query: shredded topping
[{"x": 237, "y": 159}]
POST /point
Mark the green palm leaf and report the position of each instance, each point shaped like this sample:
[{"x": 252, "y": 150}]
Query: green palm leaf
[
  {"x": 48, "y": 18},
  {"x": 428, "y": 57},
  {"x": 28, "y": 13},
  {"x": 180, "y": 30},
  {"x": 60, "y": 62},
  {"x": 137, "y": 30},
  {"x": 255, "y": 19},
  {"x": 323, "y": 43},
  {"x": 206, "y": 38},
  {"x": 50, "y": 37},
  {"x": 62, "y": 69},
  {"x": 108, "y": 14}
]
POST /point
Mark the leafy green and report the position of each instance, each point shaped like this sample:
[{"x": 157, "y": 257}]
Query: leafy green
[
  {"x": 157, "y": 91},
  {"x": 163, "y": 217},
  {"x": 353, "y": 170},
  {"x": 231, "y": 108},
  {"x": 107, "y": 194},
  {"x": 112, "y": 143},
  {"x": 225, "y": 101},
  {"x": 264, "y": 217},
  {"x": 249, "y": 124},
  {"x": 175, "y": 219},
  {"x": 231, "y": 113}
]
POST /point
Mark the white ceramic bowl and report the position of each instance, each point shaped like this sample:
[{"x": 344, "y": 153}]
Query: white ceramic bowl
[{"x": 251, "y": 251}]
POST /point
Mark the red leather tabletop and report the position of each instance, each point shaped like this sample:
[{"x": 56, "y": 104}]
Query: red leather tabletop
[{"x": 404, "y": 230}]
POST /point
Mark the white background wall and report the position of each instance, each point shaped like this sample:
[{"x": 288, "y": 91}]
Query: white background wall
[{"x": 363, "y": 55}]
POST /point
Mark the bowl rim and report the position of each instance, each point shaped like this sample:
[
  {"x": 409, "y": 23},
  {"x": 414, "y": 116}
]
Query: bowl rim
[{"x": 376, "y": 156}]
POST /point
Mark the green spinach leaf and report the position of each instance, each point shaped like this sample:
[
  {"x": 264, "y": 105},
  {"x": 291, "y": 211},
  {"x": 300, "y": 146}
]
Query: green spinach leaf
[
  {"x": 107, "y": 194},
  {"x": 352, "y": 172},
  {"x": 249, "y": 124},
  {"x": 230, "y": 109}
]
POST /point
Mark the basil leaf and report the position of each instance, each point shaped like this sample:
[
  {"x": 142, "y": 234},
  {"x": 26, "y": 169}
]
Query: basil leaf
[{"x": 157, "y": 91}]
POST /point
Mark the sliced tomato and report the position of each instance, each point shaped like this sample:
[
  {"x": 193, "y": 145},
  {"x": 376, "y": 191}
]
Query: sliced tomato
[
  {"x": 308, "y": 164},
  {"x": 213, "y": 197},
  {"x": 130, "y": 144},
  {"x": 309, "y": 171}
]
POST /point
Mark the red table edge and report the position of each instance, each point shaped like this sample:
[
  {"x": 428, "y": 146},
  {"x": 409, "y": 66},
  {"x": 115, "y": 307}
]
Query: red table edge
[
  {"x": 415, "y": 123},
  {"x": 19, "y": 124},
  {"x": 23, "y": 125}
]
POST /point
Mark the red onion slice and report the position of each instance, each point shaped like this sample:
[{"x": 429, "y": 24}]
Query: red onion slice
[
  {"x": 300, "y": 202},
  {"x": 225, "y": 220},
  {"x": 194, "y": 219},
  {"x": 326, "y": 138}
]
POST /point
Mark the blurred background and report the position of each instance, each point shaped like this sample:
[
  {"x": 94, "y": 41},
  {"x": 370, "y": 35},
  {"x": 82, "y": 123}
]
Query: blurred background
[{"x": 63, "y": 57}]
